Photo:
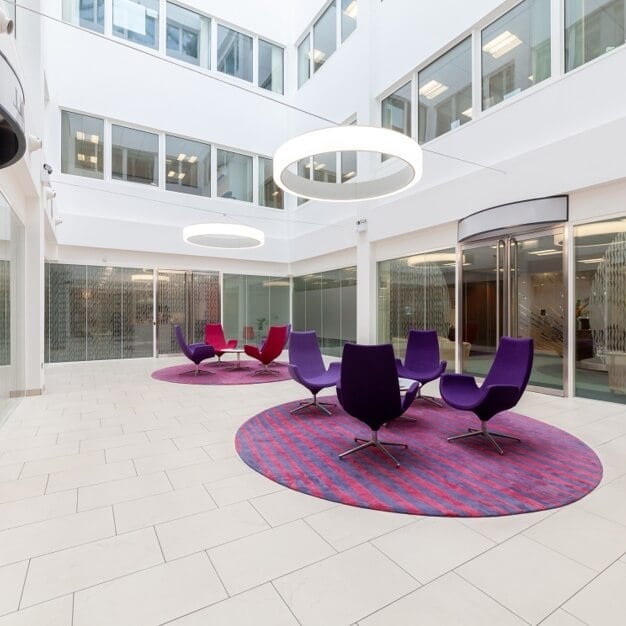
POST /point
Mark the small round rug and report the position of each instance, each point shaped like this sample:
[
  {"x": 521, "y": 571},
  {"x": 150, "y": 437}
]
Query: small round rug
[
  {"x": 221, "y": 374},
  {"x": 468, "y": 478}
]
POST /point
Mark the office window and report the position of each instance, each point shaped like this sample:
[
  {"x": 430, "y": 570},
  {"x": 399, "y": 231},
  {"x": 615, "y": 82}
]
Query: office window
[
  {"x": 234, "y": 53},
  {"x": 304, "y": 170},
  {"x": 137, "y": 21},
  {"x": 396, "y": 110},
  {"x": 135, "y": 155},
  {"x": 516, "y": 51},
  {"x": 304, "y": 61},
  {"x": 234, "y": 175},
  {"x": 187, "y": 166},
  {"x": 188, "y": 35},
  {"x": 270, "y": 194},
  {"x": 349, "y": 10},
  {"x": 325, "y": 167},
  {"x": 445, "y": 92},
  {"x": 82, "y": 140},
  {"x": 325, "y": 36},
  {"x": 85, "y": 13},
  {"x": 270, "y": 67},
  {"x": 592, "y": 29},
  {"x": 348, "y": 165}
]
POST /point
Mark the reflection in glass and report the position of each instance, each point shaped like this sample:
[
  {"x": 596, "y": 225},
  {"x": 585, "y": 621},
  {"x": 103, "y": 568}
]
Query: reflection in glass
[
  {"x": 304, "y": 61},
  {"x": 418, "y": 292},
  {"x": 445, "y": 92},
  {"x": 592, "y": 29},
  {"x": 137, "y": 21},
  {"x": 234, "y": 175},
  {"x": 516, "y": 51},
  {"x": 188, "y": 35},
  {"x": 396, "y": 110},
  {"x": 349, "y": 11},
  {"x": 234, "y": 53},
  {"x": 270, "y": 67},
  {"x": 326, "y": 303},
  {"x": 325, "y": 167},
  {"x": 82, "y": 144},
  {"x": 304, "y": 170},
  {"x": 270, "y": 194},
  {"x": 187, "y": 166},
  {"x": 86, "y": 13},
  {"x": 325, "y": 36},
  {"x": 348, "y": 165},
  {"x": 135, "y": 155},
  {"x": 601, "y": 310}
]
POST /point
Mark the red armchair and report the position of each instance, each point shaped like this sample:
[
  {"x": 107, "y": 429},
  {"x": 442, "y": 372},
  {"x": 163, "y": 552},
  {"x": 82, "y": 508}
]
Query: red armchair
[
  {"x": 214, "y": 336},
  {"x": 273, "y": 346}
]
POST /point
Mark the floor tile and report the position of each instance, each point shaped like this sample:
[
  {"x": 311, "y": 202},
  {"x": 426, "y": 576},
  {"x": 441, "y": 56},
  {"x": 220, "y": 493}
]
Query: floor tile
[
  {"x": 263, "y": 603},
  {"x": 500, "y": 529},
  {"x": 345, "y": 587},
  {"x": 37, "y": 509},
  {"x": 54, "y": 613},
  {"x": 244, "y": 487},
  {"x": 26, "y": 443},
  {"x": 438, "y": 545},
  {"x": 445, "y": 601},
  {"x": 206, "y": 472},
  {"x": 82, "y": 434},
  {"x": 140, "y": 450},
  {"x": 77, "y": 568},
  {"x": 603, "y": 601},
  {"x": 11, "y": 582},
  {"x": 206, "y": 530},
  {"x": 116, "y": 441},
  {"x": 581, "y": 536},
  {"x": 288, "y": 505},
  {"x": 152, "y": 596},
  {"x": 10, "y": 472},
  {"x": 82, "y": 477},
  {"x": 526, "y": 577},
  {"x": 17, "y": 544},
  {"x": 171, "y": 460},
  {"x": 44, "y": 452},
  {"x": 12, "y": 490},
  {"x": 122, "y": 490},
  {"x": 161, "y": 508},
  {"x": 608, "y": 501},
  {"x": 62, "y": 463},
  {"x": 562, "y": 618},
  {"x": 248, "y": 562},
  {"x": 347, "y": 526}
]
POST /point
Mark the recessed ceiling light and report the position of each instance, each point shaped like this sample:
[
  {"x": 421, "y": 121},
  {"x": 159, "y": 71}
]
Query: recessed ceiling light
[
  {"x": 467, "y": 112},
  {"x": 80, "y": 157},
  {"x": 192, "y": 159},
  {"x": 95, "y": 139},
  {"x": 181, "y": 156},
  {"x": 503, "y": 43},
  {"x": 352, "y": 9},
  {"x": 171, "y": 174},
  {"x": 432, "y": 89},
  {"x": 223, "y": 235},
  {"x": 80, "y": 136},
  {"x": 181, "y": 175}
]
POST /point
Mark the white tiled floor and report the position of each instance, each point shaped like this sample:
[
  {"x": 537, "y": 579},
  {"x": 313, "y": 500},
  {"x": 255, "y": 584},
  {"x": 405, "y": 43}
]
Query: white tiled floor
[{"x": 122, "y": 501}]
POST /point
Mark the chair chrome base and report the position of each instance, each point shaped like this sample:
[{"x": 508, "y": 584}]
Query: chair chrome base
[
  {"x": 377, "y": 444},
  {"x": 483, "y": 432},
  {"x": 266, "y": 370},
  {"x": 305, "y": 404},
  {"x": 196, "y": 372},
  {"x": 430, "y": 399}
]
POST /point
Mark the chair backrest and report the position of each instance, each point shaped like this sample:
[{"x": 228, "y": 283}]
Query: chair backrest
[
  {"x": 368, "y": 388},
  {"x": 214, "y": 336},
  {"x": 422, "y": 350},
  {"x": 275, "y": 343},
  {"x": 181, "y": 341},
  {"x": 513, "y": 363},
  {"x": 304, "y": 351}
]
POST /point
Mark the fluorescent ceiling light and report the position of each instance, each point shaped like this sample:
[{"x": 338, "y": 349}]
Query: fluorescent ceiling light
[
  {"x": 352, "y": 9},
  {"x": 171, "y": 174},
  {"x": 503, "y": 43},
  {"x": 223, "y": 235},
  {"x": 437, "y": 257},
  {"x": 181, "y": 156},
  {"x": 350, "y": 174},
  {"x": 590, "y": 261},
  {"x": 148, "y": 278},
  {"x": 318, "y": 55},
  {"x": 80, "y": 136},
  {"x": 80, "y": 157},
  {"x": 95, "y": 139},
  {"x": 275, "y": 193},
  {"x": 276, "y": 282},
  {"x": 547, "y": 252},
  {"x": 181, "y": 175},
  {"x": 432, "y": 89},
  {"x": 467, "y": 112},
  {"x": 318, "y": 166},
  {"x": 601, "y": 228},
  {"x": 343, "y": 139},
  {"x": 192, "y": 159},
  {"x": 93, "y": 159}
]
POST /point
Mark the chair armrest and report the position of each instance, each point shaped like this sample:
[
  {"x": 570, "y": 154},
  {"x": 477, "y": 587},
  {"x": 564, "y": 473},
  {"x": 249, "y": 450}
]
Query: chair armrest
[
  {"x": 252, "y": 351},
  {"x": 294, "y": 372},
  {"x": 458, "y": 381},
  {"x": 231, "y": 343},
  {"x": 409, "y": 396},
  {"x": 399, "y": 363},
  {"x": 443, "y": 366},
  {"x": 335, "y": 366},
  {"x": 500, "y": 397}
]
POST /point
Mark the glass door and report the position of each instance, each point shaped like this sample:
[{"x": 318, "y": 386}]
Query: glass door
[{"x": 514, "y": 286}]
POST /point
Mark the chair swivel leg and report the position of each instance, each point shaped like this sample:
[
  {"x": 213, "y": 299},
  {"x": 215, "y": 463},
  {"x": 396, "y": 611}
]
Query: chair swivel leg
[
  {"x": 483, "y": 432},
  {"x": 305, "y": 404},
  {"x": 377, "y": 444}
]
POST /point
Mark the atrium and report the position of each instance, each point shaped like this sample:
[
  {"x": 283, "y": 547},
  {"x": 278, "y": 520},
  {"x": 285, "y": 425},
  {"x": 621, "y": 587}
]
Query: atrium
[{"x": 132, "y": 494}]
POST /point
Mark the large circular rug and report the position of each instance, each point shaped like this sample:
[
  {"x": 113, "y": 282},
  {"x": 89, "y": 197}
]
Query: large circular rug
[
  {"x": 221, "y": 374},
  {"x": 468, "y": 478}
]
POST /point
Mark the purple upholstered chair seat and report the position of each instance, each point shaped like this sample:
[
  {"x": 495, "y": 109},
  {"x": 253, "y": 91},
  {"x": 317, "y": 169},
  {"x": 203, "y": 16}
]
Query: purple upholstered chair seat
[
  {"x": 306, "y": 366},
  {"x": 195, "y": 352},
  {"x": 501, "y": 390}
]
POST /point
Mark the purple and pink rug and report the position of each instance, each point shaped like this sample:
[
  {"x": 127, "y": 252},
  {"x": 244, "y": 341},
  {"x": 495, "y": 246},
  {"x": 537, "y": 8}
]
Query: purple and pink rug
[
  {"x": 548, "y": 469},
  {"x": 222, "y": 374}
]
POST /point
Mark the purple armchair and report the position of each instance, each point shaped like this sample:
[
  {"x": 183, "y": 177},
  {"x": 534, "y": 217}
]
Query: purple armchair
[
  {"x": 306, "y": 366},
  {"x": 368, "y": 389},
  {"x": 500, "y": 391},
  {"x": 421, "y": 362},
  {"x": 196, "y": 352}
]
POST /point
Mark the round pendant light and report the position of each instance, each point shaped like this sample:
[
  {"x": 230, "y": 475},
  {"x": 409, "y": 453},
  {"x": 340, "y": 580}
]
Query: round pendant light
[
  {"x": 225, "y": 236},
  {"x": 342, "y": 139}
]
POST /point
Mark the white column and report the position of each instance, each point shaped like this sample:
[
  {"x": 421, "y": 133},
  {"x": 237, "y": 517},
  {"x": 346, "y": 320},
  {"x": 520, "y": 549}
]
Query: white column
[{"x": 365, "y": 291}]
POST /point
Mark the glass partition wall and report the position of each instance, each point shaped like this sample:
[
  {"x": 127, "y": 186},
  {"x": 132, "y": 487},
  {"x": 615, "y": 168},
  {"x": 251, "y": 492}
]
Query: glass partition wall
[
  {"x": 418, "y": 292},
  {"x": 326, "y": 303},
  {"x": 600, "y": 253}
]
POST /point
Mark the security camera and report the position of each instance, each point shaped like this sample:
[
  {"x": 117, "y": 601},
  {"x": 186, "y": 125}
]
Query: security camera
[
  {"x": 34, "y": 143},
  {"x": 48, "y": 168},
  {"x": 51, "y": 193},
  {"x": 6, "y": 24}
]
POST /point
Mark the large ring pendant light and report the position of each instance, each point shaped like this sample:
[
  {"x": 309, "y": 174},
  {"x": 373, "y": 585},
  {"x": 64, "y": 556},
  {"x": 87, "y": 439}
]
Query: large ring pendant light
[
  {"x": 348, "y": 138},
  {"x": 222, "y": 235}
]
